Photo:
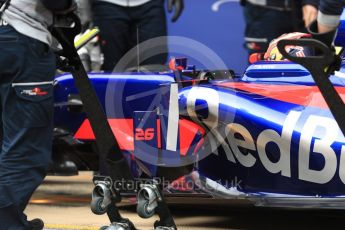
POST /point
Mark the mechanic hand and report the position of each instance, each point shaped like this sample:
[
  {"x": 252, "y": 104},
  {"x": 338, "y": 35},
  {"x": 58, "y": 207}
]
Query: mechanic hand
[
  {"x": 309, "y": 14},
  {"x": 84, "y": 13},
  {"x": 178, "y": 5}
]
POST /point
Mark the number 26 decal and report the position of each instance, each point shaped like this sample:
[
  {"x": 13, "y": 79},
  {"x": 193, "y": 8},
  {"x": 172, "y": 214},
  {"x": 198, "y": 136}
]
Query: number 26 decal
[{"x": 144, "y": 135}]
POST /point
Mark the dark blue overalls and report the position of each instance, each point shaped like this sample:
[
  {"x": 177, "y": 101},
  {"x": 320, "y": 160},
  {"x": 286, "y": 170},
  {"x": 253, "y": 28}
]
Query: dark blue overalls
[
  {"x": 118, "y": 30},
  {"x": 27, "y": 68},
  {"x": 263, "y": 24}
]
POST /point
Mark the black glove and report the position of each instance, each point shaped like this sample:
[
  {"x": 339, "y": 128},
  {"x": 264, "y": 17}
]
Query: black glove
[
  {"x": 178, "y": 5},
  {"x": 327, "y": 38}
]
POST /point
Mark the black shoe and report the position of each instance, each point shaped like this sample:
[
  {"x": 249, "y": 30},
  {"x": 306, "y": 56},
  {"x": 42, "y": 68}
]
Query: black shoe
[
  {"x": 36, "y": 224},
  {"x": 63, "y": 167}
]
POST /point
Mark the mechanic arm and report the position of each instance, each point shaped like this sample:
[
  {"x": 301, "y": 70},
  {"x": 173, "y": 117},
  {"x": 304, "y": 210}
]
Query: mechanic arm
[
  {"x": 329, "y": 15},
  {"x": 84, "y": 13},
  {"x": 178, "y": 5},
  {"x": 309, "y": 9}
]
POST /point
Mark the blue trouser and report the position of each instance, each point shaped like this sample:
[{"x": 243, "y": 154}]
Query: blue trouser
[
  {"x": 27, "y": 68},
  {"x": 118, "y": 32},
  {"x": 265, "y": 24}
]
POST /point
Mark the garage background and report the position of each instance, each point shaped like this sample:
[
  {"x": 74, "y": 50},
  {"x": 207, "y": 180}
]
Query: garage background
[{"x": 218, "y": 24}]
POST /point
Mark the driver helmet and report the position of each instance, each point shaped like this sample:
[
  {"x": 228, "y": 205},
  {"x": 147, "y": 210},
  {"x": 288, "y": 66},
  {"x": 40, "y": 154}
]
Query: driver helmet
[{"x": 273, "y": 54}]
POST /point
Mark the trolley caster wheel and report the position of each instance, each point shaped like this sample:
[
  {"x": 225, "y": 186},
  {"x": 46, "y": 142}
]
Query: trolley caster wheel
[
  {"x": 96, "y": 206},
  {"x": 143, "y": 210},
  {"x": 147, "y": 198},
  {"x": 125, "y": 225},
  {"x": 101, "y": 198}
]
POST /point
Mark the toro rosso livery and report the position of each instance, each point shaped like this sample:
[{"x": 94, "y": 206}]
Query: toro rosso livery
[{"x": 266, "y": 137}]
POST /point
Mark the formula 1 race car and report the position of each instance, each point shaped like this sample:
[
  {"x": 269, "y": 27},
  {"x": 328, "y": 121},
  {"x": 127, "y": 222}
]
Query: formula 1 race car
[{"x": 267, "y": 137}]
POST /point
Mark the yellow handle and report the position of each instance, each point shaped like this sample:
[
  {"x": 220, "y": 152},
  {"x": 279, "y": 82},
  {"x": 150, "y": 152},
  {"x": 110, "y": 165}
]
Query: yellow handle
[{"x": 86, "y": 37}]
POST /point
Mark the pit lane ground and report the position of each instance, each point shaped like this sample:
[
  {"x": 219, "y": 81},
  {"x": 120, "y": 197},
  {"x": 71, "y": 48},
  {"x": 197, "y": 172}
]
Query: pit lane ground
[{"x": 63, "y": 203}]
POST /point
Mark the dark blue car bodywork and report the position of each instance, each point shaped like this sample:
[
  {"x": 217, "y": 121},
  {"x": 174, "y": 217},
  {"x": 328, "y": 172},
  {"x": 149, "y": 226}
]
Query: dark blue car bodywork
[{"x": 266, "y": 137}]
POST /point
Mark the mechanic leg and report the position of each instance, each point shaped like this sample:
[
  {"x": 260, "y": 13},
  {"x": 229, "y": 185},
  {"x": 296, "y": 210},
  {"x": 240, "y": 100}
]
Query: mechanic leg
[
  {"x": 114, "y": 24},
  {"x": 263, "y": 25},
  {"x": 27, "y": 106},
  {"x": 151, "y": 24}
]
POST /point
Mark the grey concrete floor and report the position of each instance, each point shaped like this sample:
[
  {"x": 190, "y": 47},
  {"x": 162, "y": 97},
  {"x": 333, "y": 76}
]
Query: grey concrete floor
[{"x": 63, "y": 203}]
